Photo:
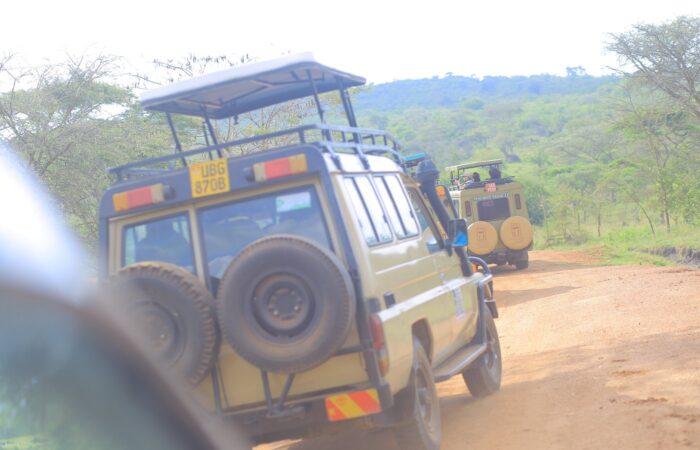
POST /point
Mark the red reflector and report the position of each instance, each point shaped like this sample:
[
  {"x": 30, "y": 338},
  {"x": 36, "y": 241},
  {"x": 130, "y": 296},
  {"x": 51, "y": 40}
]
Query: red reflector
[
  {"x": 352, "y": 405},
  {"x": 518, "y": 205},
  {"x": 377, "y": 330},
  {"x": 280, "y": 167},
  {"x": 467, "y": 209},
  {"x": 137, "y": 198},
  {"x": 277, "y": 168}
]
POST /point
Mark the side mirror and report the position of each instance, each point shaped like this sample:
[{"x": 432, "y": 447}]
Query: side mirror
[{"x": 457, "y": 233}]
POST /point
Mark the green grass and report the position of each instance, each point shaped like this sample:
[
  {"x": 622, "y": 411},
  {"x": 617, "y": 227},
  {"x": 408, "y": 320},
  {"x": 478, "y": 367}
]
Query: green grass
[
  {"x": 19, "y": 443},
  {"x": 627, "y": 245}
]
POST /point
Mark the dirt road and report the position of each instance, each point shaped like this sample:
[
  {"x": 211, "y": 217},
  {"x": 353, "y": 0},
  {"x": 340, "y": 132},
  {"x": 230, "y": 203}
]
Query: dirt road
[{"x": 594, "y": 358}]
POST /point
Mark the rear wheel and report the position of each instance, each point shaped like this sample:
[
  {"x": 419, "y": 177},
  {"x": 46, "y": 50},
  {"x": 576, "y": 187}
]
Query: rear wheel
[
  {"x": 523, "y": 263},
  {"x": 420, "y": 405},
  {"x": 484, "y": 377}
]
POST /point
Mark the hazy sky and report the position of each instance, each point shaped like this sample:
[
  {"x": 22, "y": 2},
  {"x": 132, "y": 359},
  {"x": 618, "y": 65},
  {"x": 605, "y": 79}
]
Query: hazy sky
[{"x": 379, "y": 40}]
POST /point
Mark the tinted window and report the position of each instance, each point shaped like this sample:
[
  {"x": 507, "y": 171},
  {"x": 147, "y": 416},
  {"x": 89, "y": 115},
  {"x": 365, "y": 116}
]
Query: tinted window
[
  {"x": 368, "y": 210},
  {"x": 494, "y": 209},
  {"x": 231, "y": 227},
  {"x": 166, "y": 240},
  {"x": 361, "y": 214},
  {"x": 401, "y": 202},
  {"x": 374, "y": 207},
  {"x": 390, "y": 207}
]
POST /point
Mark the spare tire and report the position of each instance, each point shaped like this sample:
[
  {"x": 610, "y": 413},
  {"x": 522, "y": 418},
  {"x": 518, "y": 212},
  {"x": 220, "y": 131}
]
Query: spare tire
[
  {"x": 174, "y": 310},
  {"x": 285, "y": 304},
  {"x": 516, "y": 233},
  {"x": 482, "y": 238}
]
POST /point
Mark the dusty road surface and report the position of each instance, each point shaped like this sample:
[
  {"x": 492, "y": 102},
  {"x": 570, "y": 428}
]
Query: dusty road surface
[{"x": 594, "y": 358}]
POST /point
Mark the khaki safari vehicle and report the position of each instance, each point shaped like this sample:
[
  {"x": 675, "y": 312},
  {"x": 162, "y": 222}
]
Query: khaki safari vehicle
[
  {"x": 300, "y": 279},
  {"x": 499, "y": 231}
]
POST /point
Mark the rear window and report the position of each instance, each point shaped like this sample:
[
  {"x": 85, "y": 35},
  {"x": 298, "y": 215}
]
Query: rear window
[
  {"x": 493, "y": 209},
  {"x": 164, "y": 239},
  {"x": 229, "y": 228}
]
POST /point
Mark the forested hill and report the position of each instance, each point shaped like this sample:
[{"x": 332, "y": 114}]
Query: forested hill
[{"x": 452, "y": 90}]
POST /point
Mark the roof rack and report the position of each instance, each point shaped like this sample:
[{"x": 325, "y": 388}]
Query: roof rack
[
  {"x": 332, "y": 139},
  {"x": 254, "y": 86},
  {"x": 480, "y": 184},
  {"x": 492, "y": 162}
]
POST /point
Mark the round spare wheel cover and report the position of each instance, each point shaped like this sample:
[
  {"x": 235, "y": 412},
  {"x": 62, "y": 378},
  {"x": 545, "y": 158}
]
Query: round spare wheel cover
[
  {"x": 482, "y": 238},
  {"x": 516, "y": 233},
  {"x": 175, "y": 313},
  {"x": 285, "y": 304}
]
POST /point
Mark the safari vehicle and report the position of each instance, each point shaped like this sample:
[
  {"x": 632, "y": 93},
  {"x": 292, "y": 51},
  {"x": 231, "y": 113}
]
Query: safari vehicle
[
  {"x": 500, "y": 231},
  {"x": 299, "y": 279}
]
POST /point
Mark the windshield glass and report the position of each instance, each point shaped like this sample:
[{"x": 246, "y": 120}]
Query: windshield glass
[{"x": 231, "y": 227}]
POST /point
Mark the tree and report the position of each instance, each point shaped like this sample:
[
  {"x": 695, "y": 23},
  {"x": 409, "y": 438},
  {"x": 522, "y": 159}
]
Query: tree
[
  {"x": 69, "y": 122},
  {"x": 660, "y": 144},
  {"x": 665, "y": 57}
]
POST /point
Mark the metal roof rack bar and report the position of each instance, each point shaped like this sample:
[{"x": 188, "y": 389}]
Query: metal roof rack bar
[{"x": 359, "y": 147}]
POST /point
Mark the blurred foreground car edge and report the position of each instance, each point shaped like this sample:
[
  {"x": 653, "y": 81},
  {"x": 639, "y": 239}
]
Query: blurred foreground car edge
[{"x": 70, "y": 376}]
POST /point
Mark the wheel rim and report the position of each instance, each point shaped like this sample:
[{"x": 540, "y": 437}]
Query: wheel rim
[
  {"x": 162, "y": 330},
  {"x": 492, "y": 359},
  {"x": 426, "y": 402},
  {"x": 283, "y": 306}
]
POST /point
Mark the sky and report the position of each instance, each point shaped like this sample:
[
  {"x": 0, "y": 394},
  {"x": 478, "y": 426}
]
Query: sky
[{"x": 380, "y": 40}]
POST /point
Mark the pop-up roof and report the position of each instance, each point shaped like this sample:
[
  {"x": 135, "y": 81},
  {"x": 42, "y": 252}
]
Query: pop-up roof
[
  {"x": 248, "y": 87},
  {"x": 493, "y": 162}
]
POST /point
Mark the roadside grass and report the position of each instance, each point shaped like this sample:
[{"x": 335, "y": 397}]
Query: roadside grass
[
  {"x": 19, "y": 443},
  {"x": 627, "y": 245}
]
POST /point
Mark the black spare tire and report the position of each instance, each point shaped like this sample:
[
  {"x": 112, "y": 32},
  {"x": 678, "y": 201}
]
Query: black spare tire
[
  {"x": 174, "y": 312},
  {"x": 285, "y": 304}
]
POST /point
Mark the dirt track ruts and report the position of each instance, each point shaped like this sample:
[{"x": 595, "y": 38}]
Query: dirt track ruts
[{"x": 595, "y": 357}]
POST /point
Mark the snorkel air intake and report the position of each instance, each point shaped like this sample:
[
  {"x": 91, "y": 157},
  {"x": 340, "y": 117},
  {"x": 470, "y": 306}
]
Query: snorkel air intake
[{"x": 427, "y": 175}]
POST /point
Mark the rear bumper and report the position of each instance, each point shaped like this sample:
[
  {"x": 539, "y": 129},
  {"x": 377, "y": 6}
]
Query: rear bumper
[
  {"x": 505, "y": 256},
  {"x": 307, "y": 416}
]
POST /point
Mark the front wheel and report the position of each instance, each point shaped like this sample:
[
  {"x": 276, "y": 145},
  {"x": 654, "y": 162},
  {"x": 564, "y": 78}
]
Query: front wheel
[
  {"x": 420, "y": 406},
  {"x": 484, "y": 377}
]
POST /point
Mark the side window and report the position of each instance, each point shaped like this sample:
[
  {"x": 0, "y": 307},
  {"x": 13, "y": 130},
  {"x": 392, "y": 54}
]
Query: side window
[
  {"x": 408, "y": 221},
  {"x": 426, "y": 229},
  {"x": 167, "y": 240},
  {"x": 370, "y": 215}
]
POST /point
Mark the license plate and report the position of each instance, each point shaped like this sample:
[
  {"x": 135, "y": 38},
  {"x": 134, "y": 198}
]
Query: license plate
[
  {"x": 209, "y": 178},
  {"x": 490, "y": 187}
]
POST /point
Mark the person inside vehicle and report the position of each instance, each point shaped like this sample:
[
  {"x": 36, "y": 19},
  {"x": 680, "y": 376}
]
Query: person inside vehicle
[
  {"x": 494, "y": 173},
  {"x": 476, "y": 177}
]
